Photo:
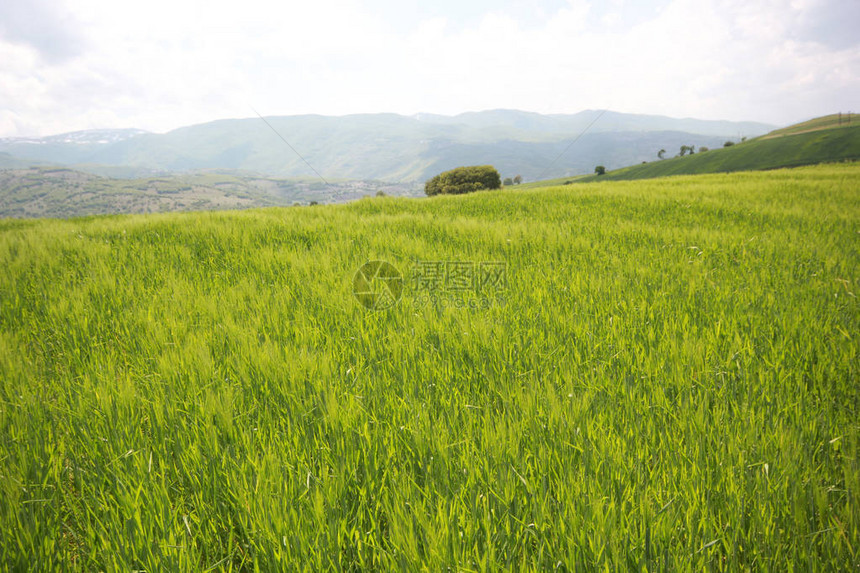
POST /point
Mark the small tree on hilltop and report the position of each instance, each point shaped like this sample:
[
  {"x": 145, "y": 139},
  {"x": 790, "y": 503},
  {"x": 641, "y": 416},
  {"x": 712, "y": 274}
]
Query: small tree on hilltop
[
  {"x": 464, "y": 180},
  {"x": 661, "y": 153},
  {"x": 508, "y": 182},
  {"x": 600, "y": 170},
  {"x": 518, "y": 179}
]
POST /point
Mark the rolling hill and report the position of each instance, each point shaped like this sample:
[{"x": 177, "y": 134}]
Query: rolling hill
[
  {"x": 836, "y": 120},
  {"x": 808, "y": 143}
]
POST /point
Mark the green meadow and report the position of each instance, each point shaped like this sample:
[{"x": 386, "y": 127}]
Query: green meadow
[{"x": 667, "y": 379}]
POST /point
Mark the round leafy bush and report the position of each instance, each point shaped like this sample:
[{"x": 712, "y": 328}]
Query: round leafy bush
[{"x": 464, "y": 180}]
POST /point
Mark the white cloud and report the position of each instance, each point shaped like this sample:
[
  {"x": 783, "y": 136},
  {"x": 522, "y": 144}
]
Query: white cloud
[{"x": 169, "y": 63}]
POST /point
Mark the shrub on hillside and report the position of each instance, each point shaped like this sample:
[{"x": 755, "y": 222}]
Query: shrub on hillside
[{"x": 464, "y": 180}]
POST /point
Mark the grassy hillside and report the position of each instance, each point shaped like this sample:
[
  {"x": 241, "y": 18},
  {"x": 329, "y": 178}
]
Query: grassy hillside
[
  {"x": 825, "y": 122},
  {"x": 809, "y": 146},
  {"x": 667, "y": 379}
]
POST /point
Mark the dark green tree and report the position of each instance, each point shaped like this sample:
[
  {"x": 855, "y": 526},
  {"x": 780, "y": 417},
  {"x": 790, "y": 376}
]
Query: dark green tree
[
  {"x": 661, "y": 153},
  {"x": 600, "y": 170},
  {"x": 464, "y": 180}
]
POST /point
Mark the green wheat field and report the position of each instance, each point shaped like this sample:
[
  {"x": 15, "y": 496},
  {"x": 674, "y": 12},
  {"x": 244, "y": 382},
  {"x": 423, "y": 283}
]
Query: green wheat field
[{"x": 667, "y": 379}]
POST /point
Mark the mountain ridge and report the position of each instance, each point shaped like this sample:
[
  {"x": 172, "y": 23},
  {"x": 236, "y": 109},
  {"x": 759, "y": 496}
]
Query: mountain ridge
[{"x": 383, "y": 146}]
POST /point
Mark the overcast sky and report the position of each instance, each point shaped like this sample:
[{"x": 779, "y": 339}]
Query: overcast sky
[{"x": 80, "y": 64}]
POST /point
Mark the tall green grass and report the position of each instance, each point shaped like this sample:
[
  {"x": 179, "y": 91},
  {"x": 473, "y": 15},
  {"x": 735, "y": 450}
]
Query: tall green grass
[{"x": 672, "y": 385}]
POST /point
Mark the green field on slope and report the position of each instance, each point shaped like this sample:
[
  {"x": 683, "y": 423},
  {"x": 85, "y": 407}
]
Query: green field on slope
[
  {"x": 666, "y": 378},
  {"x": 833, "y": 121},
  {"x": 817, "y": 141}
]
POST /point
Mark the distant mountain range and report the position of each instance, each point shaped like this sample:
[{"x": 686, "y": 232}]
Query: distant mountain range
[{"x": 383, "y": 147}]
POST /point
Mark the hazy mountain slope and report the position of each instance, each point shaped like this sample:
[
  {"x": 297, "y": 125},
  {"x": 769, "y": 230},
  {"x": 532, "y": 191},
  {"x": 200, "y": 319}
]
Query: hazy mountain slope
[
  {"x": 572, "y": 124},
  {"x": 386, "y": 146},
  {"x": 67, "y": 148},
  {"x": 7, "y": 161},
  {"x": 365, "y": 147}
]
